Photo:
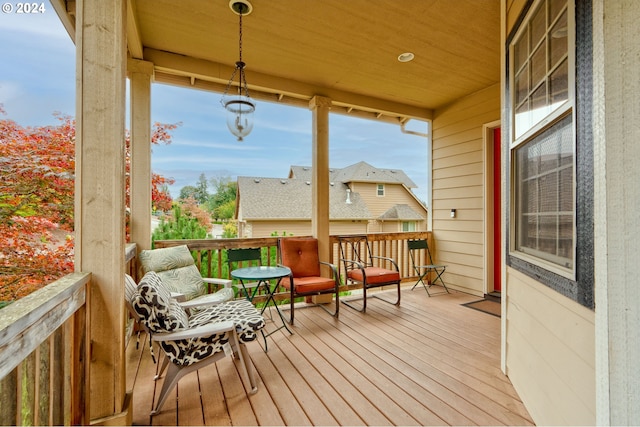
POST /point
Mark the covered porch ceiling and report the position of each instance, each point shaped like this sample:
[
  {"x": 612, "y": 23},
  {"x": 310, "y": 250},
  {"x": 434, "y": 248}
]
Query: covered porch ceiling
[{"x": 344, "y": 50}]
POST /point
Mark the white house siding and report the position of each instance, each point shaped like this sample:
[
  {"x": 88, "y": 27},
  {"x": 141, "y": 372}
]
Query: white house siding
[
  {"x": 458, "y": 165},
  {"x": 550, "y": 352}
]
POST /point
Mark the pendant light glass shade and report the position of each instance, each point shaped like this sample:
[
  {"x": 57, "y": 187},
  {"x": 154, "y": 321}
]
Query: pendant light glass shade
[
  {"x": 240, "y": 116},
  {"x": 239, "y": 107}
]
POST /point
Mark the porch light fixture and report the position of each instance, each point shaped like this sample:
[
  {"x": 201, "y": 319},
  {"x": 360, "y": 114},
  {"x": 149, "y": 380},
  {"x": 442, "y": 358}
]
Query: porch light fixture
[
  {"x": 406, "y": 57},
  {"x": 240, "y": 107}
]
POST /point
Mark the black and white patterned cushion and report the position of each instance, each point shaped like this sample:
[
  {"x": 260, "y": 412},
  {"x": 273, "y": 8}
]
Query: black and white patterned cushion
[{"x": 160, "y": 313}]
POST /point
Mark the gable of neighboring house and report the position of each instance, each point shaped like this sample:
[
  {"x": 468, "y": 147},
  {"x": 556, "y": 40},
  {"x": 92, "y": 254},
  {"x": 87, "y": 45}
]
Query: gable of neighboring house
[{"x": 267, "y": 205}]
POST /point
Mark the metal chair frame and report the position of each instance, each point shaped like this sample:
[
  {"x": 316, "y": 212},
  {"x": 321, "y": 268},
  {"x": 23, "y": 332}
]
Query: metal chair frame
[
  {"x": 356, "y": 254},
  {"x": 424, "y": 270}
]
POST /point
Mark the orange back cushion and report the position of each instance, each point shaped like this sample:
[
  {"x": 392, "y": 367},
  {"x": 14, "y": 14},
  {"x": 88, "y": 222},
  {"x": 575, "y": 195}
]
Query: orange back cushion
[{"x": 301, "y": 256}]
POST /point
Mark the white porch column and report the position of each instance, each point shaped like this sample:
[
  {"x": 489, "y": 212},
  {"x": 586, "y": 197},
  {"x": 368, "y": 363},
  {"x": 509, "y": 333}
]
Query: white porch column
[
  {"x": 140, "y": 75},
  {"x": 616, "y": 58},
  {"x": 320, "y": 107},
  {"x": 99, "y": 199}
]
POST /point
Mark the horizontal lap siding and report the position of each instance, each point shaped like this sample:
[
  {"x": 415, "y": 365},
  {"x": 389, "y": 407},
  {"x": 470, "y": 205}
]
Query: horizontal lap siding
[
  {"x": 458, "y": 183},
  {"x": 551, "y": 353}
]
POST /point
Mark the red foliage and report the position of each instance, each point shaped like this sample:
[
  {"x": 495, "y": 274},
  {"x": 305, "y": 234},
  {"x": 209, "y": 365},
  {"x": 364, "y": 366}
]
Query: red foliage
[{"x": 37, "y": 166}]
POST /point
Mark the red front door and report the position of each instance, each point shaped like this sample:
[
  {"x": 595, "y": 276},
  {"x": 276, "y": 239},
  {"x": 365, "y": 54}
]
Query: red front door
[{"x": 497, "y": 241}]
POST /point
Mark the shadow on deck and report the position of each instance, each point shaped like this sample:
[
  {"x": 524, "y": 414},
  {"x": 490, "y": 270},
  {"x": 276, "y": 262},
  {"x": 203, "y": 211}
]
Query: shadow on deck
[{"x": 430, "y": 361}]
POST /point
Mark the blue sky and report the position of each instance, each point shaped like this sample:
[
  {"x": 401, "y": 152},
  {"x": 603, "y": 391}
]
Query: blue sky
[{"x": 37, "y": 78}]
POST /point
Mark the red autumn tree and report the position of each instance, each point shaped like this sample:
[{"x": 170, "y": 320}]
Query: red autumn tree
[{"x": 37, "y": 166}]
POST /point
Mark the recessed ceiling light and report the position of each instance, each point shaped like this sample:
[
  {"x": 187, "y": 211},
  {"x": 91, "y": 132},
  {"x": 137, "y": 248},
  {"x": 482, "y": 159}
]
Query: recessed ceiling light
[
  {"x": 241, "y": 6},
  {"x": 406, "y": 57}
]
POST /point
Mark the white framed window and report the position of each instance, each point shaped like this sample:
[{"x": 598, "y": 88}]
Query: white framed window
[
  {"x": 408, "y": 226},
  {"x": 380, "y": 190},
  {"x": 542, "y": 60}
]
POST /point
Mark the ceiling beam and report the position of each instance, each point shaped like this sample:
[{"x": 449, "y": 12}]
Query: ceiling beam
[
  {"x": 134, "y": 41},
  {"x": 66, "y": 11},
  {"x": 273, "y": 87}
]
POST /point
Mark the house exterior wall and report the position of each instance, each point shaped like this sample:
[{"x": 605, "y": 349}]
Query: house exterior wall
[
  {"x": 549, "y": 340},
  {"x": 458, "y": 177},
  {"x": 265, "y": 228},
  {"x": 550, "y": 352},
  {"x": 394, "y": 194}
]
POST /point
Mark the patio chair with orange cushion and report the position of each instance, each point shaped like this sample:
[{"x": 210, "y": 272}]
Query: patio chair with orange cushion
[
  {"x": 300, "y": 254},
  {"x": 358, "y": 260}
]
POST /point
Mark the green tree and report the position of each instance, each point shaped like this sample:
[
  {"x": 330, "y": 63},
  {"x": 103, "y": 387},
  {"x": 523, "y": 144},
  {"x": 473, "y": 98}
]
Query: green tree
[
  {"x": 226, "y": 211},
  {"x": 222, "y": 202},
  {"x": 187, "y": 191},
  {"x": 201, "y": 194},
  {"x": 180, "y": 225}
]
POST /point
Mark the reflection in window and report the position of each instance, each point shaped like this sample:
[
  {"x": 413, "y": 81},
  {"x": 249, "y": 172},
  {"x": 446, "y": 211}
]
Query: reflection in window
[
  {"x": 545, "y": 198},
  {"x": 540, "y": 62}
]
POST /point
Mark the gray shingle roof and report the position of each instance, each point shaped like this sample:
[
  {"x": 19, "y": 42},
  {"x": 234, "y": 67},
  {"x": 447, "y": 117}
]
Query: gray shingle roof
[
  {"x": 401, "y": 212},
  {"x": 275, "y": 198},
  {"x": 360, "y": 172}
]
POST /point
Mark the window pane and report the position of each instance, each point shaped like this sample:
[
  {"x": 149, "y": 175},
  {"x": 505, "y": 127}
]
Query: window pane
[
  {"x": 521, "y": 51},
  {"x": 555, "y": 7},
  {"x": 545, "y": 202},
  {"x": 558, "y": 41},
  {"x": 559, "y": 87},
  {"x": 522, "y": 85},
  {"x": 541, "y": 66},
  {"x": 565, "y": 240},
  {"x": 539, "y": 104},
  {"x": 549, "y": 155},
  {"x": 549, "y": 193},
  {"x": 538, "y": 25},
  {"x": 566, "y": 189},
  {"x": 522, "y": 119},
  {"x": 538, "y": 65}
]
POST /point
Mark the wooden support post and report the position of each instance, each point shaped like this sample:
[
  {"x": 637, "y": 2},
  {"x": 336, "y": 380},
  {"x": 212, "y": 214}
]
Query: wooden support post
[
  {"x": 140, "y": 75},
  {"x": 100, "y": 184},
  {"x": 320, "y": 107}
]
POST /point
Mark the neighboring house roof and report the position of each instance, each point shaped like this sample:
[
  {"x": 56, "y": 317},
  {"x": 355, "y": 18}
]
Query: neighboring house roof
[
  {"x": 358, "y": 172},
  {"x": 401, "y": 212},
  {"x": 276, "y": 198}
]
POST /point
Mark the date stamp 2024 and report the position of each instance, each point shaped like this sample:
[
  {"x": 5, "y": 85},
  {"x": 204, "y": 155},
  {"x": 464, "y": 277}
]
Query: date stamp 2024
[{"x": 26, "y": 8}]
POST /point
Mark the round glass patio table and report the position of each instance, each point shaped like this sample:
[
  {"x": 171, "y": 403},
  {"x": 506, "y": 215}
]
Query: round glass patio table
[{"x": 261, "y": 275}]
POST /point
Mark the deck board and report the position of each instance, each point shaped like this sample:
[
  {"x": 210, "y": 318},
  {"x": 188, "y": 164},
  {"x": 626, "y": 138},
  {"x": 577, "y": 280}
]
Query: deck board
[{"x": 430, "y": 361}]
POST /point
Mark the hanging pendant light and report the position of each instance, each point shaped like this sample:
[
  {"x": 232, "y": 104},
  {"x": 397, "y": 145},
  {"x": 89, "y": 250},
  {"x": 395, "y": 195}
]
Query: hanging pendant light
[{"x": 240, "y": 107}]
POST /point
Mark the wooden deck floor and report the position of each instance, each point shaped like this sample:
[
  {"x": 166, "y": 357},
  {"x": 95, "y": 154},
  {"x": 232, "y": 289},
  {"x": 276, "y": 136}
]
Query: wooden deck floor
[{"x": 430, "y": 361}]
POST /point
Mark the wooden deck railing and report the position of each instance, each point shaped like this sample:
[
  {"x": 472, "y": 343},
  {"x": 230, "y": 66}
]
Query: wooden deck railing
[
  {"x": 43, "y": 340},
  {"x": 209, "y": 252},
  {"x": 42, "y": 362}
]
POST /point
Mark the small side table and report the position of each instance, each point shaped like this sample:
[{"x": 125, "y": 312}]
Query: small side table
[{"x": 262, "y": 275}]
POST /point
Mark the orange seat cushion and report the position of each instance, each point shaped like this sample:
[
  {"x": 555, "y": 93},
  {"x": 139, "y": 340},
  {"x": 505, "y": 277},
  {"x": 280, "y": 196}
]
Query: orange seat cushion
[
  {"x": 375, "y": 275},
  {"x": 309, "y": 284}
]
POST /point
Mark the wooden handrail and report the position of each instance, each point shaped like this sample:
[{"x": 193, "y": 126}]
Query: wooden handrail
[{"x": 42, "y": 355}]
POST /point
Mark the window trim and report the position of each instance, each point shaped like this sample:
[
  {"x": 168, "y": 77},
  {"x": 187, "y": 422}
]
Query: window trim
[
  {"x": 566, "y": 108},
  {"x": 380, "y": 187}
]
